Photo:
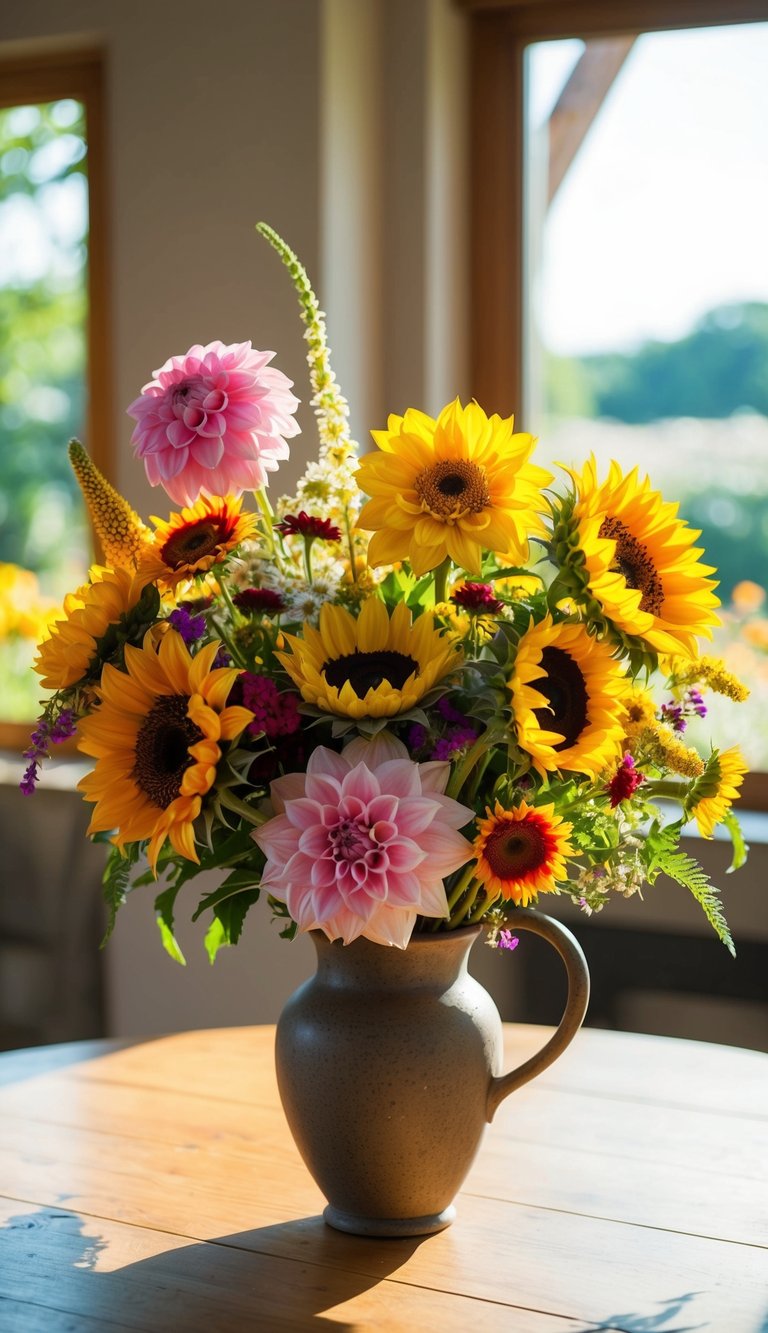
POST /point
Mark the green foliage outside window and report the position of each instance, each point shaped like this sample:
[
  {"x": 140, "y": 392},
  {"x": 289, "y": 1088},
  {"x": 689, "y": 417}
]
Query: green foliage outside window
[{"x": 43, "y": 259}]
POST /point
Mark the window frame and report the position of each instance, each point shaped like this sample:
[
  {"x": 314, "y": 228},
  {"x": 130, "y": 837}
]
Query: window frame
[
  {"x": 499, "y": 32},
  {"x": 30, "y": 81}
]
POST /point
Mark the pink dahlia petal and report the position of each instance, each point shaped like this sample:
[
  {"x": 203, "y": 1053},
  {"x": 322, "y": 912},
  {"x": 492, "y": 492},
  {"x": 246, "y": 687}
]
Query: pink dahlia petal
[
  {"x": 402, "y": 777},
  {"x": 391, "y": 925},
  {"x": 376, "y": 751},
  {"x": 370, "y": 859},
  {"x": 228, "y": 395}
]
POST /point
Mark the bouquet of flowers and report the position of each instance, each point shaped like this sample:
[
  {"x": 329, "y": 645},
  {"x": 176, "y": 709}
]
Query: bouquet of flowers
[{"x": 428, "y": 687}]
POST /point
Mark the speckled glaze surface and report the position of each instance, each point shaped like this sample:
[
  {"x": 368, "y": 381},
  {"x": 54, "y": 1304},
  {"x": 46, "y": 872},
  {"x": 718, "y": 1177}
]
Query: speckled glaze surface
[{"x": 388, "y": 1064}]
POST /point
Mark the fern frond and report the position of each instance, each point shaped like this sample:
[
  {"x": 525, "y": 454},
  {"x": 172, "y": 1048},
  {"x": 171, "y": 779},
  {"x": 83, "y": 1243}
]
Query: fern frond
[{"x": 683, "y": 869}]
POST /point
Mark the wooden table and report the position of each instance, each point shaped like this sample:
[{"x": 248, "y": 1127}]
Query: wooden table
[{"x": 153, "y": 1185}]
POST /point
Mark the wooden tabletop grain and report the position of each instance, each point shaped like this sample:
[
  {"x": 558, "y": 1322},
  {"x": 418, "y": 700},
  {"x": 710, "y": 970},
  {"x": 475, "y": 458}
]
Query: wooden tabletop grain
[{"x": 153, "y": 1185}]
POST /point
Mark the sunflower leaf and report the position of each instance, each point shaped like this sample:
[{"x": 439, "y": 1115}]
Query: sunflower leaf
[{"x": 740, "y": 847}]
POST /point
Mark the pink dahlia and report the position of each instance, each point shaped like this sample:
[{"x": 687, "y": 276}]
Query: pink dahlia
[
  {"x": 361, "y": 842},
  {"x": 214, "y": 421}
]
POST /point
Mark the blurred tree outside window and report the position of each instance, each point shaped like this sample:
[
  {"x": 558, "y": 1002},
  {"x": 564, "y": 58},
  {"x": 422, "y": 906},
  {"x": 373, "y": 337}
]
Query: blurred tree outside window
[
  {"x": 44, "y": 537},
  {"x": 646, "y": 331}
]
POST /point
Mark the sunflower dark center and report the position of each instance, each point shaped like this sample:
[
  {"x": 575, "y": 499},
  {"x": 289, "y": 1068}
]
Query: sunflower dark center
[
  {"x": 366, "y": 671},
  {"x": 192, "y": 543},
  {"x": 453, "y": 487},
  {"x": 162, "y": 749},
  {"x": 635, "y": 563},
  {"x": 565, "y": 690},
  {"x": 514, "y": 850}
]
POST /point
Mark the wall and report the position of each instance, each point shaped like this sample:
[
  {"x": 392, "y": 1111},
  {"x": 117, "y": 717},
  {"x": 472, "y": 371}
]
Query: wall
[{"x": 339, "y": 122}]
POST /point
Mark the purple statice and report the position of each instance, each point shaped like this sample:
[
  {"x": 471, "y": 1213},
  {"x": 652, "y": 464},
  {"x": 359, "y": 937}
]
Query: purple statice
[
  {"x": 455, "y": 739},
  {"x": 190, "y": 627},
  {"x": 507, "y": 940},
  {"x": 449, "y": 733},
  {"x": 222, "y": 659},
  {"x": 417, "y": 736},
  {"x": 695, "y": 703},
  {"x": 49, "y": 731},
  {"x": 672, "y": 714},
  {"x": 28, "y": 784}
]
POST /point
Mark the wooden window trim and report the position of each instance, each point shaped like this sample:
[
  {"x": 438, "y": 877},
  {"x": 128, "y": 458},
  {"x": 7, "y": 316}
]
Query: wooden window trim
[
  {"x": 28, "y": 81},
  {"x": 499, "y": 31}
]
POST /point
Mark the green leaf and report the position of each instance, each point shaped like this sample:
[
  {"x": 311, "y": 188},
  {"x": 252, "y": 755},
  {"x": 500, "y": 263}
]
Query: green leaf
[
  {"x": 170, "y": 943},
  {"x": 687, "y": 871},
  {"x": 740, "y": 847},
  {"x": 214, "y": 939},
  {"x": 230, "y": 914},
  {"x": 116, "y": 883},
  {"x": 510, "y": 572},
  {"x": 164, "y": 906},
  {"x": 238, "y": 882}
]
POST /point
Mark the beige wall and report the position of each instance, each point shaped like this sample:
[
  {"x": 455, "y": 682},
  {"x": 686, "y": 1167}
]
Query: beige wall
[{"x": 340, "y": 123}]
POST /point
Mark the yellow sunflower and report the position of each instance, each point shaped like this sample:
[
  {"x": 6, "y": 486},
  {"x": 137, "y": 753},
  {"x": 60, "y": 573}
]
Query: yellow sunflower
[
  {"x": 195, "y": 540},
  {"x": 521, "y": 852},
  {"x": 65, "y": 655},
  {"x": 451, "y": 487},
  {"x": 716, "y": 790},
  {"x": 370, "y": 667},
  {"x": 155, "y": 739},
  {"x": 627, "y": 555},
  {"x": 567, "y": 695}
]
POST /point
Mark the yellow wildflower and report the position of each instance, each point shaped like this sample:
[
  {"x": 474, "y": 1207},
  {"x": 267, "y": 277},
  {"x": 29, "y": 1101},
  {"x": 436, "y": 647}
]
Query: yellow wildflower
[
  {"x": 120, "y": 531},
  {"x": 662, "y": 747},
  {"x": 709, "y": 671}
]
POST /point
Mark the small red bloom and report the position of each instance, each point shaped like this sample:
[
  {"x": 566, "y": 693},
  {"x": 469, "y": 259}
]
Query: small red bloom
[
  {"x": 305, "y": 525},
  {"x": 624, "y": 782},
  {"x": 255, "y": 601},
  {"x": 477, "y": 597}
]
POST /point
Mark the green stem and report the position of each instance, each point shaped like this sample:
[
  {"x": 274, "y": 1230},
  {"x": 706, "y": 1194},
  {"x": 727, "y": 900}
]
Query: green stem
[
  {"x": 350, "y": 546},
  {"x": 481, "y": 746},
  {"x": 676, "y": 791},
  {"x": 231, "y": 647},
  {"x": 461, "y": 916},
  {"x": 441, "y": 580},
  {"x": 267, "y": 521},
  {"x": 480, "y": 911},
  {"x": 308, "y": 559}
]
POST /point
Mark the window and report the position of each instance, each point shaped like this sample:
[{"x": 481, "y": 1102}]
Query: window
[
  {"x": 627, "y": 182},
  {"x": 53, "y": 382}
]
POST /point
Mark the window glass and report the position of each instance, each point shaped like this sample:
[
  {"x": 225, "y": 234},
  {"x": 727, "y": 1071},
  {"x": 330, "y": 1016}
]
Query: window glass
[
  {"x": 647, "y": 301},
  {"x": 44, "y": 542}
]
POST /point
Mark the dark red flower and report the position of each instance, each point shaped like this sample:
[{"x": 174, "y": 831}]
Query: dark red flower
[
  {"x": 256, "y": 601},
  {"x": 304, "y": 525},
  {"x": 624, "y": 782},
  {"x": 477, "y": 597}
]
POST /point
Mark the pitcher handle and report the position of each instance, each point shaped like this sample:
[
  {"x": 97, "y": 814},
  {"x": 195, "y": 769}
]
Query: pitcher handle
[{"x": 575, "y": 1008}]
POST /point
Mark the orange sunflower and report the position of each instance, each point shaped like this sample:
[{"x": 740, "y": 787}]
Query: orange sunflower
[
  {"x": 567, "y": 696},
  {"x": 625, "y": 554},
  {"x": 522, "y": 852},
  {"x": 156, "y": 741},
  {"x": 454, "y": 486},
  {"x": 65, "y": 656},
  {"x": 195, "y": 540}
]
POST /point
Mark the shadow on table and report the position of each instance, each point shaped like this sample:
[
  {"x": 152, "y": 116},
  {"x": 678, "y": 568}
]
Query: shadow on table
[
  {"x": 663, "y": 1319},
  {"x": 59, "y": 1260}
]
